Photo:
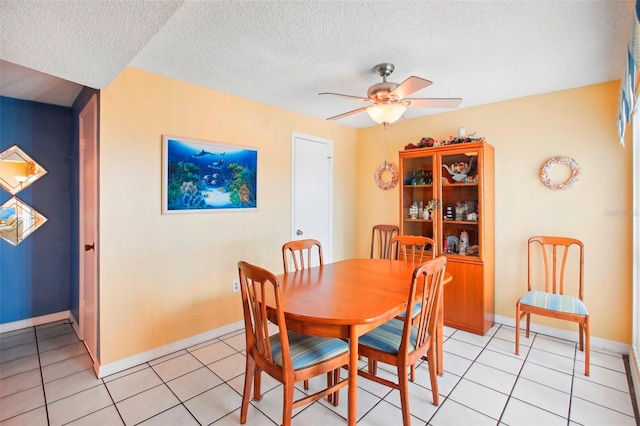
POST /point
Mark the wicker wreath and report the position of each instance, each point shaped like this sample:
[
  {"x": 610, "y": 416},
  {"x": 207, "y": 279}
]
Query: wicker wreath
[
  {"x": 567, "y": 161},
  {"x": 394, "y": 176}
]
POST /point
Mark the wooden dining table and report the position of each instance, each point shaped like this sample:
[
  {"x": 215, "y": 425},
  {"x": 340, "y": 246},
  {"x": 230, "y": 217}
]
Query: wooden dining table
[{"x": 346, "y": 299}]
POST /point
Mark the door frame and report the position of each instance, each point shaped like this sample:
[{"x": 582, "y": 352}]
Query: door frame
[
  {"x": 91, "y": 107},
  {"x": 327, "y": 251}
]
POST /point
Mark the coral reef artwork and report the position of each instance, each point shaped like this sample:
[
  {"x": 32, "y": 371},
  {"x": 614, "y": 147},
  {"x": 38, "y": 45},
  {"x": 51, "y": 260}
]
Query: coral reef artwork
[{"x": 200, "y": 175}]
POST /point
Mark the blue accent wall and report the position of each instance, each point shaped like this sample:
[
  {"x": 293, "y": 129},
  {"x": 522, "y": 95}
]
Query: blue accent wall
[{"x": 35, "y": 276}]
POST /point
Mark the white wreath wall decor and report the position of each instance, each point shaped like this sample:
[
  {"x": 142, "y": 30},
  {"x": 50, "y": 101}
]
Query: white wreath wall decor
[
  {"x": 566, "y": 161},
  {"x": 394, "y": 176}
]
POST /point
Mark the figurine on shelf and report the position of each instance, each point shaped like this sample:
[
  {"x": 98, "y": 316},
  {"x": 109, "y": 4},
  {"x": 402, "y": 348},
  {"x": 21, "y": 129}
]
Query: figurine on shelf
[
  {"x": 413, "y": 210},
  {"x": 459, "y": 171},
  {"x": 464, "y": 243}
]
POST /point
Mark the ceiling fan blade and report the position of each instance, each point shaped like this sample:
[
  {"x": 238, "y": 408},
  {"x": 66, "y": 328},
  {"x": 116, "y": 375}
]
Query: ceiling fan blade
[
  {"x": 434, "y": 102},
  {"x": 346, "y": 114},
  {"x": 409, "y": 86},
  {"x": 357, "y": 98}
]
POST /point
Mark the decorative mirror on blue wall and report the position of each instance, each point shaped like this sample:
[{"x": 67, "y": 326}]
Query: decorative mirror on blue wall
[
  {"x": 18, "y": 170},
  {"x": 18, "y": 220}
]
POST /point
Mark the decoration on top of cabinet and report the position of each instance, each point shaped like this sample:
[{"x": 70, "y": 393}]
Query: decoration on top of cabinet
[
  {"x": 428, "y": 142},
  {"x": 393, "y": 171},
  {"x": 204, "y": 176},
  {"x": 566, "y": 161}
]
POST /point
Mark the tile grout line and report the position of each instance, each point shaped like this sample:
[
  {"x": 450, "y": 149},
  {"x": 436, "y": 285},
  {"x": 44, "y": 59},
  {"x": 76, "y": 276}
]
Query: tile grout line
[
  {"x": 573, "y": 381},
  {"x": 535, "y": 336},
  {"x": 509, "y": 396},
  {"x": 163, "y": 383},
  {"x": 446, "y": 397},
  {"x": 44, "y": 392},
  {"x": 485, "y": 347}
]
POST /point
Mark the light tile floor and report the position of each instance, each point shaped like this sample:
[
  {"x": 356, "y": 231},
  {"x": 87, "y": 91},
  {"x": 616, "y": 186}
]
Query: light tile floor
[{"x": 46, "y": 378}]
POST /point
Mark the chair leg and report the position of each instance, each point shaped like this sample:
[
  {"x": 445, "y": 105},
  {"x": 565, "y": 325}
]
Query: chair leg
[
  {"x": 580, "y": 336},
  {"x": 287, "y": 404},
  {"x": 518, "y": 328},
  {"x": 257, "y": 393},
  {"x": 403, "y": 384},
  {"x": 587, "y": 346},
  {"x": 412, "y": 376},
  {"x": 306, "y": 385},
  {"x": 372, "y": 366},
  {"x": 433, "y": 375},
  {"x": 336, "y": 394},
  {"x": 249, "y": 373},
  {"x": 528, "y": 324}
]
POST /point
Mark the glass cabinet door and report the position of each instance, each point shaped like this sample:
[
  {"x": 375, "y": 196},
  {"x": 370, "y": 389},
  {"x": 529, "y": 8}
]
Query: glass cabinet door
[
  {"x": 460, "y": 203},
  {"x": 418, "y": 207}
]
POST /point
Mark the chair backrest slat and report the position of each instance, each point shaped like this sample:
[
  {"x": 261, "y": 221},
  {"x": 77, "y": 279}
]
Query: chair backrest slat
[
  {"x": 257, "y": 286},
  {"x": 300, "y": 254},
  {"x": 412, "y": 248},
  {"x": 381, "y": 236},
  {"x": 426, "y": 287},
  {"x": 554, "y": 253}
]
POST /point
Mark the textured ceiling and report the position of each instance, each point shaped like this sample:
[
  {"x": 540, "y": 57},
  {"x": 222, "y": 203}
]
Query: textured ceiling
[{"x": 283, "y": 53}]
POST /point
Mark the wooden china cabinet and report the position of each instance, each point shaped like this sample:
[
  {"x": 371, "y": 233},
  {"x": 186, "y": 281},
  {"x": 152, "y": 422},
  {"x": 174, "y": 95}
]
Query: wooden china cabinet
[{"x": 457, "y": 182}]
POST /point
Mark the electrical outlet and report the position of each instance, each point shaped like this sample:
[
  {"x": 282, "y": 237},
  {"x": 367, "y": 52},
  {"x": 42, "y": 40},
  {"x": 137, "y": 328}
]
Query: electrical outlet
[{"x": 235, "y": 285}]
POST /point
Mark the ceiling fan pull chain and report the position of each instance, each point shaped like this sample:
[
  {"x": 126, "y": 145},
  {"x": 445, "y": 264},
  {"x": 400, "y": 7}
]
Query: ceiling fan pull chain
[{"x": 386, "y": 148}]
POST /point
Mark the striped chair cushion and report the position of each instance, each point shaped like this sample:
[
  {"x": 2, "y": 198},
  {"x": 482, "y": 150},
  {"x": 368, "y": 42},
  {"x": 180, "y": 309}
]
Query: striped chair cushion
[
  {"x": 416, "y": 310},
  {"x": 307, "y": 350},
  {"x": 554, "y": 302},
  {"x": 388, "y": 336}
]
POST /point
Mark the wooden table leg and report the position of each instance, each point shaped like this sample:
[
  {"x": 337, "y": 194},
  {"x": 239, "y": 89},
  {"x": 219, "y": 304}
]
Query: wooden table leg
[{"x": 353, "y": 376}]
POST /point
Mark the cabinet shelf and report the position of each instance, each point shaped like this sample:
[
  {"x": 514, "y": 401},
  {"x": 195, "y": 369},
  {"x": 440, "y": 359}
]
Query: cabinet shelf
[
  {"x": 459, "y": 222},
  {"x": 452, "y": 185},
  {"x": 469, "y": 298}
]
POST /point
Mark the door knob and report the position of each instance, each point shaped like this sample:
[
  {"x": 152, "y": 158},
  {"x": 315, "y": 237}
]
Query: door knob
[
  {"x": 299, "y": 232},
  {"x": 88, "y": 247}
]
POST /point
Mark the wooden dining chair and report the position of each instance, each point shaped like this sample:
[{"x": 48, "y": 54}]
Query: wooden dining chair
[
  {"x": 412, "y": 248},
  {"x": 294, "y": 254},
  {"x": 381, "y": 236},
  {"x": 300, "y": 254},
  {"x": 286, "y": 356},
  {"x": 550, "y": 300},
  {"x": 401, "y": 343}
]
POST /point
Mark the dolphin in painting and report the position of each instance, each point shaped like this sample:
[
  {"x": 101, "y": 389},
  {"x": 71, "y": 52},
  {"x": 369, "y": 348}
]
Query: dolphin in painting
[{"x": 202, "y": 154}]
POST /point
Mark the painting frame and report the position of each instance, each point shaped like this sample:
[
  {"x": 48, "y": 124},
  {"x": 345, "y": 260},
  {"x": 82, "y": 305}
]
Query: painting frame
[{"x": 204, "y": 176}]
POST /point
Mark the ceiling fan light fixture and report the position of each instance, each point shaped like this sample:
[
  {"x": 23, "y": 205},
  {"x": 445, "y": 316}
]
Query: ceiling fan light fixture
[{"x": 386, "y": 112}]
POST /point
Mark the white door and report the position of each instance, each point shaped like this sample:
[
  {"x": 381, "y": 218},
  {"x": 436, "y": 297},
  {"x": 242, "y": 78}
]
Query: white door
[
  {"x": 88, "y": 227},
  {"x": 312, "y": 191}
]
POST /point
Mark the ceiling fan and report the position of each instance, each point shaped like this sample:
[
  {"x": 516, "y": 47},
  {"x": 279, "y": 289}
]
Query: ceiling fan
[{"x": 388, "y": 101}]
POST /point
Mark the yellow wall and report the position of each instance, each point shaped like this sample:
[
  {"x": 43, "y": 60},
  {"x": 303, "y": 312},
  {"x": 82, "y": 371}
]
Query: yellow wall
[
  {"x": 167, "y": 278},
  {"x": 579, "y": 123},
  {"x": 164, "y": 278}
]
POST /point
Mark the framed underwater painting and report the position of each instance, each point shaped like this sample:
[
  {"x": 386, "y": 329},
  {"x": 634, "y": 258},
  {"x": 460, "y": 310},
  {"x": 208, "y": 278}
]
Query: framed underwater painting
[{"x": 201, "y": 176}]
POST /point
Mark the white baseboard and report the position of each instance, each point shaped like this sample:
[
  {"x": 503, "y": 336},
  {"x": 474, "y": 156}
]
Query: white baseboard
[
  {"x": 596, "y": 342},
  {"x": 635, "y": 373},
  {"x": 141, "y": 358},
  {"x": 32, "y": 322},
  {"x": 123, "y": 364},
  {"x": 74, "y": 324}
]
